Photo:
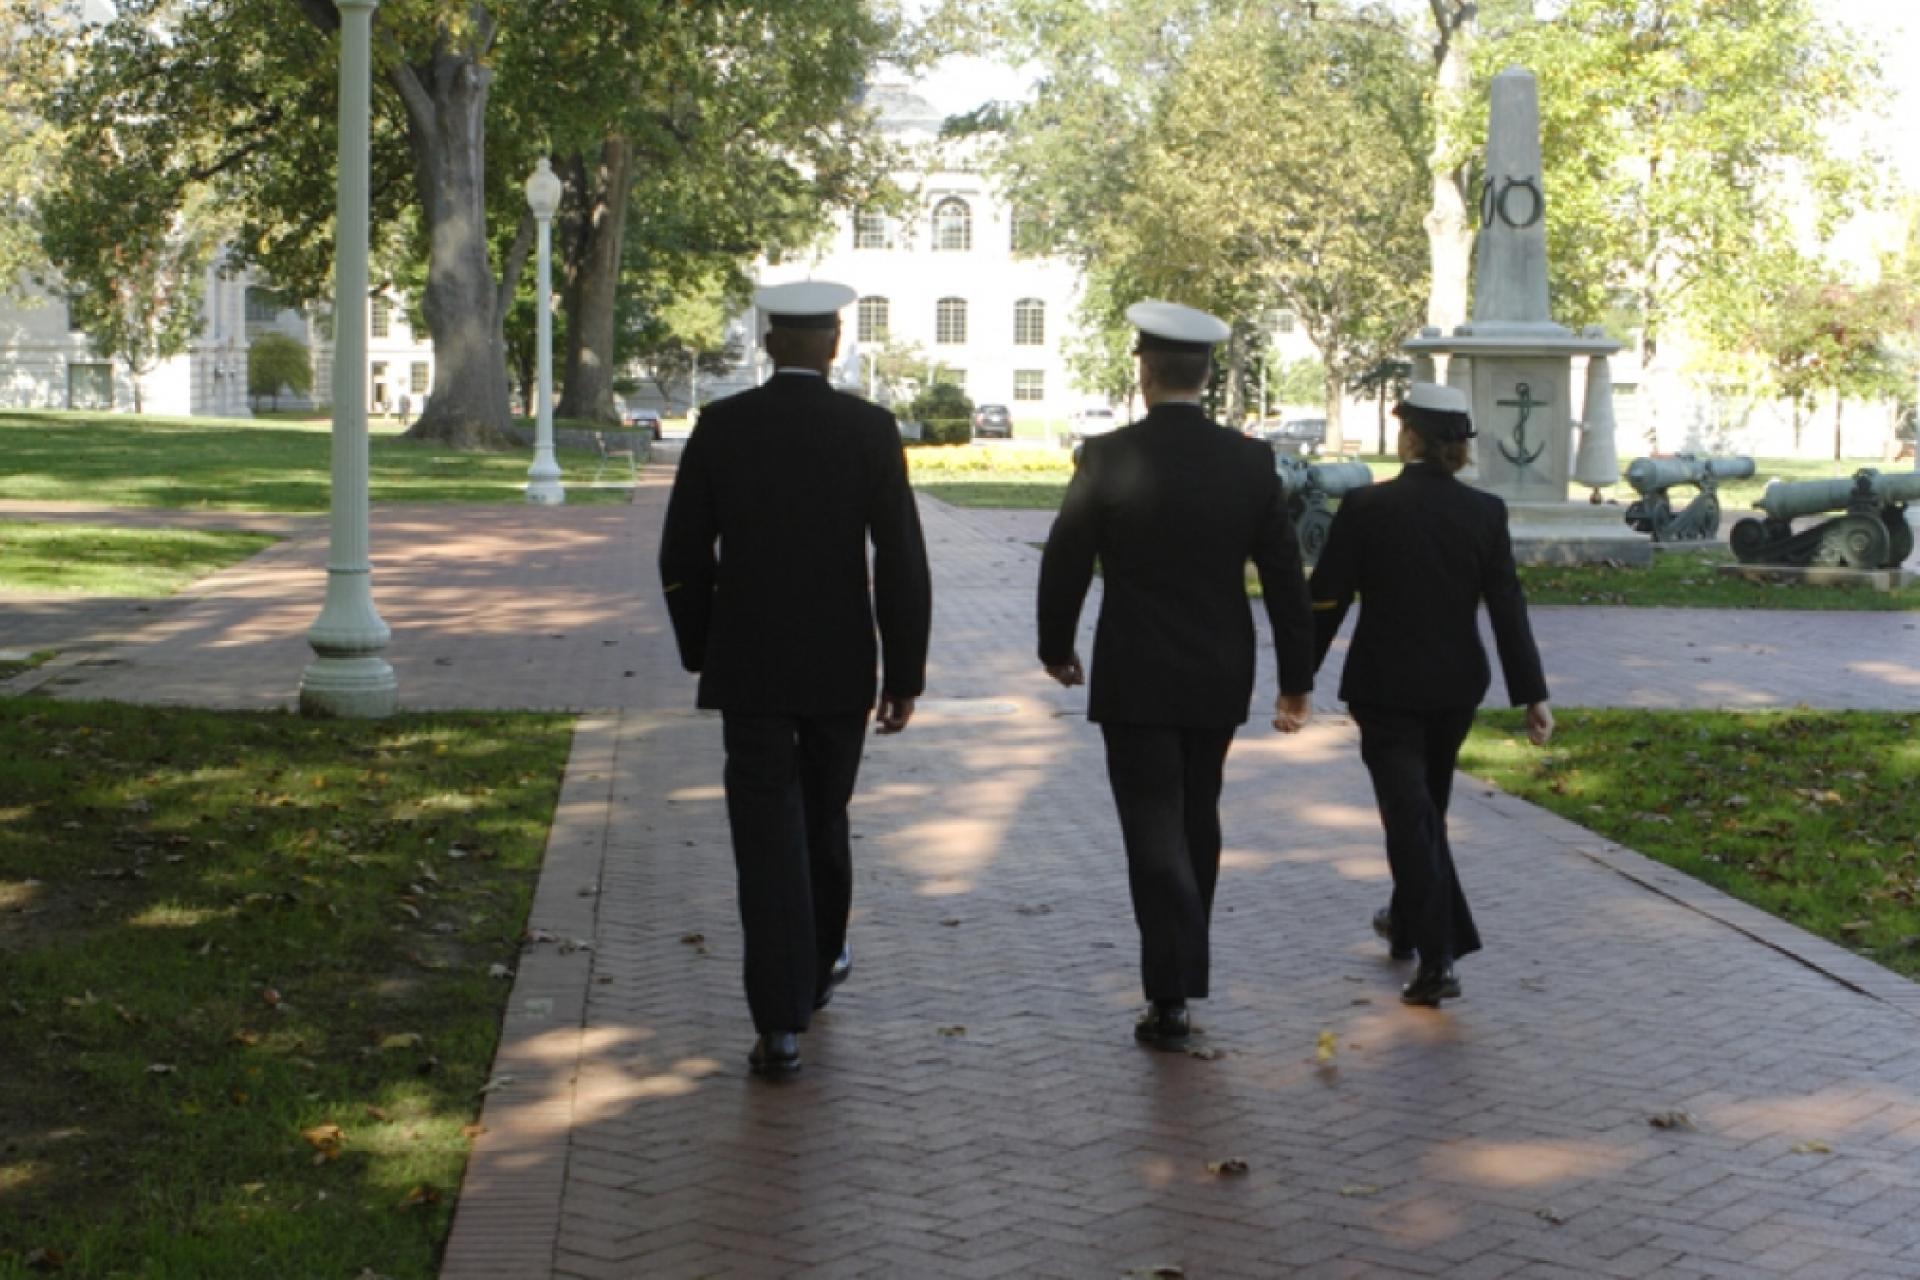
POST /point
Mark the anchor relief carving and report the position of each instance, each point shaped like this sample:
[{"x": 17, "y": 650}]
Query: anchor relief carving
[{"x": 1519, "y": 454}]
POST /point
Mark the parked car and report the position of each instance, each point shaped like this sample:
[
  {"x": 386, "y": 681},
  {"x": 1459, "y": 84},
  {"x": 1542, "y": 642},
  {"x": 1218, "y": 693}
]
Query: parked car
[
  {"x": 993, "y": 420},
  {"x": 1296, "y": 435},
  {"x": 1084, "y": 423},
  {"x": 648, "y": 419}
]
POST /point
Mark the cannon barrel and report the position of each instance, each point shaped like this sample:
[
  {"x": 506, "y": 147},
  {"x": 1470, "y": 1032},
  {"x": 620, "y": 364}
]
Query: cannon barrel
[
  {"x": 1647, "y": 475},
  {"x": 1331, "y": 478},
  {"x": 1787, "y": 499}
]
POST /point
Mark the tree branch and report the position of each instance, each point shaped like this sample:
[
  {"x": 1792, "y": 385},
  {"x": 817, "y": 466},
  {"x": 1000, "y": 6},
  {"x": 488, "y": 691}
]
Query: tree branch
[{"x": 516, "y": 262}]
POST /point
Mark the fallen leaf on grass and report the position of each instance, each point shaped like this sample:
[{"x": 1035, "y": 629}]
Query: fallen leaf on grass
[
  {"x": 1856, "y": 926},
  {"x": 401, "y": 1040},
  {"x": 160, "y": 1068},
  {"x": 379, "y": 1113},
  {"x": 497, "y": 970},
  {"x": 46, "y": 1260},
  {"x": 1231, "y": 1167},
  {"x": 1811, "y": 1147},
  {"x": 326, "y": 1140},
  {"x": 1359, "y": 1189},
  {"x": 81, "y": 1001},
  {"x": 1671, "y": 1120},
  {"x": 270, "y": 996},
  {"x": 420, "y": 1195},
  {"x": 472, "y": 1131}
]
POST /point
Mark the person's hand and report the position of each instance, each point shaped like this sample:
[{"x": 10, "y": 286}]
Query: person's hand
[
  {"x": 1291, "y": 711},
  {"x": 1539, "y": 723},
  {"x": 892, "y": 714},
  {"x": 1068, "y": 673}
]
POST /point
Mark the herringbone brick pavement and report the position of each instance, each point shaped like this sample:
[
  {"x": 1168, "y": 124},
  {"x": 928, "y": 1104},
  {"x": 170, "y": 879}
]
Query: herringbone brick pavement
[{"x": 973, "y": 1104}]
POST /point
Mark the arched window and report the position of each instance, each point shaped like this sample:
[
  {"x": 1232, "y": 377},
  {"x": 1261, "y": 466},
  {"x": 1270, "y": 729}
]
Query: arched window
[
  {"x": 874, "y": 315},
  {"x": 952, "y": 225},
  {"x": 950, "y": 321},
  {"x": 1029, "y": 323}
]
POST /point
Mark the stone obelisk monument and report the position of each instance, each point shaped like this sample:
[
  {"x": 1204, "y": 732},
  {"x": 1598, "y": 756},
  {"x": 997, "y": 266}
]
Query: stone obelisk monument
[{"x": 1512, "y": 360}]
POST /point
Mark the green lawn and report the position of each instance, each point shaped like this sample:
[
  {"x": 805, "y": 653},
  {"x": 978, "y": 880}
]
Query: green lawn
[
  {"x": 222, "y": 464},
  {"x": 99, "y": 561},
  {"x": 248, "y": 994},
  {"x": 1813, "y": 816},
  {"x": 1687, "y": 579}
]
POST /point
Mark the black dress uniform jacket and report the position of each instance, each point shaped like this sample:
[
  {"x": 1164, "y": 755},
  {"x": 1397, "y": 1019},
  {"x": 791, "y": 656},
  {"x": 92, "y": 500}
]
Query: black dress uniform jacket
[
  {"x": 1422, "y": 551},
  {"x": 792, "y": 478},
  {"x": 1173, "y": 507}
]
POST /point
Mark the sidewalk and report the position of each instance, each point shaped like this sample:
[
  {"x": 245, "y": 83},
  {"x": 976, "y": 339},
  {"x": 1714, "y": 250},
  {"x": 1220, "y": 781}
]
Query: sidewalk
[{"x": 973, "y": 1104}]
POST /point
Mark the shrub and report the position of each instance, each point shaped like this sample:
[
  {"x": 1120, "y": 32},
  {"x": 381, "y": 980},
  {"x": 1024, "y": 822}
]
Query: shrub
[
  {"x": 276, "y": 362},
  {"x": 944, "y": 413}
]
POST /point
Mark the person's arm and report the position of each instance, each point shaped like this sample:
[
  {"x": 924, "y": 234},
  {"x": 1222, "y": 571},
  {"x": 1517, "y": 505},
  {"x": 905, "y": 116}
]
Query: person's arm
[
  {"x": 1283, "y": 590},
  {"x": 1507, "y": 610},
  {"x": 1335, "y": 579},
  {"x": 1066, "y": 570},
  {"x": 902, "y": 588},
  {"x": 688, "y": 565}
]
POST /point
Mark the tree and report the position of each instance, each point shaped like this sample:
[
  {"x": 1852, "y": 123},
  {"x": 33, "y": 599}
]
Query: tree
[
  {"x": 24, "y": 140},
  {"x": 276, "y": 363},
  {"x": 1840, "y": 338}
]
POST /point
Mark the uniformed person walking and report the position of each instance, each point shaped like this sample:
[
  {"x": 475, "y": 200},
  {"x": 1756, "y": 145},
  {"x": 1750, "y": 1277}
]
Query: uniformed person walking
[
  {"x": 1173, "y": 506},
  {"x": 792, "y": 480},
  {"x": 1422, "y": 551}
]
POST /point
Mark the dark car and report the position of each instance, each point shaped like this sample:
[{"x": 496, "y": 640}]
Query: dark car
[
  {"x": 1296, "y": 435},
  {"x": 993, "y": 420}
]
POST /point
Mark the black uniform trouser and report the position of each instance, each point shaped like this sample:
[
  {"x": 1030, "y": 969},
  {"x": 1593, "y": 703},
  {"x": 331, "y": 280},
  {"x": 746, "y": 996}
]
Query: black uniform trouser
[
  {"x": 1411, "y": 756},
  {"x": 789, "y": 779},
  {"x": 1166, "y": 785}
]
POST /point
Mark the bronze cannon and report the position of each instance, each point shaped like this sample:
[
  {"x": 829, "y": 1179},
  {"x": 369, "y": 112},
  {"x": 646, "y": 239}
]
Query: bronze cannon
[
  {"x": 1871, "y": 533},
  {"x": 1699, "y": 520},
  {"x": 1309, "y": 486}
]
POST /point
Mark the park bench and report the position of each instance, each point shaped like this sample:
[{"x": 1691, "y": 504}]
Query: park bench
[{"x": 610, "y": 454}]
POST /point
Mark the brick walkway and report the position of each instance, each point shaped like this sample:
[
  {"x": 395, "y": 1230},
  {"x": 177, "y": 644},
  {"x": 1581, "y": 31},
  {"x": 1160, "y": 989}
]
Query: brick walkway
[{"x": 973, "y": 1104}]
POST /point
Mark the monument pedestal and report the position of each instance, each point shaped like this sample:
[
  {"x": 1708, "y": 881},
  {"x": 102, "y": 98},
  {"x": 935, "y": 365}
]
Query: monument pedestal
[{"x": 1574, "y": 533}]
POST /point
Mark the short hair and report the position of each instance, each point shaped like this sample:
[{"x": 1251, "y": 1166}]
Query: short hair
[
  {"x": 1451, "y": 454},
  {"x": 805, "y": 347},
  {"x": 1179, "y": 370}
]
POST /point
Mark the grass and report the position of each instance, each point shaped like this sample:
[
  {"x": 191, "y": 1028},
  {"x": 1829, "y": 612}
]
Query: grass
[
  {"x": 237, "y": 465},
  {"x": 222, "y": 933},
  {"x": 18, "y": 662},
  {"x": 99, "y": 561},
  {"x": 1811, "y": 816},
  {"x": 1687, "y": 579}
]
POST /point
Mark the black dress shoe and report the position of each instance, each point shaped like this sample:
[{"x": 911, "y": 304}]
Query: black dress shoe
[
  {"x": 1383, "y": 925},
  {"x": 1431, "y": 984},
  {"x": 1164, "y": 1025},
  {"x": 842, "y": 966},
  {"x": 775, "y": 1054}
]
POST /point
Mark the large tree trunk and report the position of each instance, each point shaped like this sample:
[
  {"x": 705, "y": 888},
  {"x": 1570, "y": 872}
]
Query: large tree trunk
[
  {"x": 1449, "y": 228},
  {"x": 446, "y": 103},
  {"x": 1336, "y": 436},
  {"x": 592, "y": 251}
]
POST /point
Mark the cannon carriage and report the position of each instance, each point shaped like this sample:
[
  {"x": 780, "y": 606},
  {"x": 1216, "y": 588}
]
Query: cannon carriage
[
  {"x": 1870, "y": 533},
  {"x": 1699, "y": 520},
  {"x": 1309, "y": 486}
]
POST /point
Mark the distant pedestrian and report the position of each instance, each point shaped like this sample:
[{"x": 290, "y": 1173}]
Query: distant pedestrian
[
  {"x": 765, "y": 562},
  {"x": 1422, "y": 551},
  {"x": 406, "y": 407},
  {"x": 1173, "y": 507}
]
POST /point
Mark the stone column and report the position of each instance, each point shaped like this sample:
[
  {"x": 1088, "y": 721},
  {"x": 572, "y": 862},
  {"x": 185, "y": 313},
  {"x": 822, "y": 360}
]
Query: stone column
[{"x": 348, "y": 677}]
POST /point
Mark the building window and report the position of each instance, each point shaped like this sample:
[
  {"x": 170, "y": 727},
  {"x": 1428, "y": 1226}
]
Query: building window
[
  {"x": 1029, "y": 323},
  {"x": 417, "y": 379},
  {"x": 263, "y": 306},
  {"x": 90, "y": 386},
  {"x": 1029, "y": 384},
  {"x": 869, "y": 231},
  {"x": 1025, "y": 232},
  {"x": 950, "y": 321},
  {"x": 382, "y": 317},
  {"x": 378, "y": 392},
  {"x": 874, "y": 315},
  {"x": 73, "y": 314},
  {"x": 1284, "y": 322},
  {"x": 952, "y": 225}
]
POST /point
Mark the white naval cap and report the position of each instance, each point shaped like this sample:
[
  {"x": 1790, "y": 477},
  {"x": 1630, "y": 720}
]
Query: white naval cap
[
  {"x": 1172, "y": 326},
  {"x": 1432, "y": 408},
  {"x": 803, "y": 304}
]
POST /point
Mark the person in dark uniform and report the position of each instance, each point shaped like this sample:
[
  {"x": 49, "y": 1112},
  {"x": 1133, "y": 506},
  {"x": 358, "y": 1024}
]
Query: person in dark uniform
[
  {"x": 1422, "y": 551},
  {"x": 1173, "y": 506},
  {"x": 792, "y": 480}
]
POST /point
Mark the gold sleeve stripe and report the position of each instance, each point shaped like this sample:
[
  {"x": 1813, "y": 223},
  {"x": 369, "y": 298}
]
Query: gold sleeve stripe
[
  {"x": 1324, "y": 605},
  {"x": 673, "y": 586}
]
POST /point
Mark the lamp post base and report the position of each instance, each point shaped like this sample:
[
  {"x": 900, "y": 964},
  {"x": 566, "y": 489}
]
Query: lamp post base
[
  {"x": 349, "y": 688},
  {"x": 546, "y": 493}
]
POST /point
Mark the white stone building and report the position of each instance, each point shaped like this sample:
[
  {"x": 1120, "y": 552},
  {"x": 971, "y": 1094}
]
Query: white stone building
[{"x": 947, "y": 279}]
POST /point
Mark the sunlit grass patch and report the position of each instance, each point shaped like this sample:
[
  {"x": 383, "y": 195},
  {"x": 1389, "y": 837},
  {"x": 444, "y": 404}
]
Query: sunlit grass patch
[
  {"x": 98, "y": 560},
  {"x": 1689, "y": 579},
  {"x": 1813, "y": 816},
  {"x": 222, "y": 935}
]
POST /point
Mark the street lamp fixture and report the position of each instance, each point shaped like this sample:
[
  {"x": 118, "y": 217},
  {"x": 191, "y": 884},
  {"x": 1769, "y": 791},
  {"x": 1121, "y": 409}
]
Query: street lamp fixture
[{"x": 543, "y": 477}]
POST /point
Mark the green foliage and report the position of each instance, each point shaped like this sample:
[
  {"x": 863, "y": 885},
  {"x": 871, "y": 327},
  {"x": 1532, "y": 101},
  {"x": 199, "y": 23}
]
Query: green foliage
[
  {"x": 1808, "y": 815},
  {"x": 242, "y": 929},
  {"x": 944, "y": 413},
  {"x": 1690, "y": 580},
  {"x": 1674, "y": 136},
  {"x": 276, "y": 363},
  {"x": 98, "y": 560},
  {"x": 1302, "y": 381},
  {"x": 25, "y": 139}
]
